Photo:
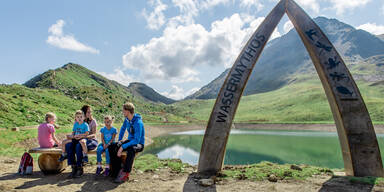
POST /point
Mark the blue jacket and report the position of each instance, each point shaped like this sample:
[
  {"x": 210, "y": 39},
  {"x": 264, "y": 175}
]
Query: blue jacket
[{"x": 135, "y": 131}]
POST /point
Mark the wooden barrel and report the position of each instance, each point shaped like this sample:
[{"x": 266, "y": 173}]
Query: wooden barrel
[{"x": 49, "y": 164}]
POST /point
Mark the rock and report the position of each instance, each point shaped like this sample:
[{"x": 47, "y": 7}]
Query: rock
[
  {"x": 295, "y": 167},
  {"x": 9, "y": 161},
  {"x": 155, "y": 176},
  {"x": 206, "y": 182},
  {"x": 272, "y": 178},
  {"x": 15, "y": 129}
]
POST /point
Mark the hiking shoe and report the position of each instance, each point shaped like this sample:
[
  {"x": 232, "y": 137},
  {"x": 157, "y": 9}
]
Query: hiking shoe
[
  {"x": 106, "y": 172},
  {"x": 85, "y": 159},
  {"x": 79, "y": 172},
  {"x": 73, "y": 172},
  {"x": 99, "y": 170},
  {"x": 123, "y": 177},
  {"x": 63, "y": 157}
]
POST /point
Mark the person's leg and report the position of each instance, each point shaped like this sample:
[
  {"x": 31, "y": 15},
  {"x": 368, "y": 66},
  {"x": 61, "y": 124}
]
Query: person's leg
[
  {"x": 107, "y": 158},
  {"x": 64, "y": 154},
  {"x": 129, "y": 160},
  {"x": 91, "y": 144},
  {"x": 70, "y": 153},
  {"x": 83, "y": 143},
  {"x": 107, "y": 162},
  {"x": 99, "y": 152},
  {"x": 79, "y": 161},
  {"x": 79, "y": 155},
  {"x": 71, "y": 158}
]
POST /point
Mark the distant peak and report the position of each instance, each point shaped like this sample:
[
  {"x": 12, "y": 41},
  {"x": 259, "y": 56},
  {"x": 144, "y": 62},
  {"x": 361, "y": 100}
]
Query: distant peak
[{"x": 71, "y": 65}]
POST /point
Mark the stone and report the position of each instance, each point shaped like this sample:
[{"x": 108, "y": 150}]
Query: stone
[
  {"x": 272, "y": 178},
  {"x": 295, "y": 167},
  {"x": 9, "y": 161},
  {"x": 206, "y": 182}
]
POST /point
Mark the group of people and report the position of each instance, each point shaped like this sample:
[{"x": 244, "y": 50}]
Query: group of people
[{"x": 83, "y": 139}]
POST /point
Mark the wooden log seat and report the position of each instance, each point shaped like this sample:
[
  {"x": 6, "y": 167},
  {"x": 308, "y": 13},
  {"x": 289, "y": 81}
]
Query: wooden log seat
[{"x": 49, "y": 159}]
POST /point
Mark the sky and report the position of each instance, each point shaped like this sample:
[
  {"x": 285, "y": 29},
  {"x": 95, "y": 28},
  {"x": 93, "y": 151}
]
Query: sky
[{"x": 174, "y": 46}]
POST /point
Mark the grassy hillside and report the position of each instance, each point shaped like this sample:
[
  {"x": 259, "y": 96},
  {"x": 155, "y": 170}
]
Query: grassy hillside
[
  {"x": 65, "y": 90},
  {"x": 301, "y": 102}
]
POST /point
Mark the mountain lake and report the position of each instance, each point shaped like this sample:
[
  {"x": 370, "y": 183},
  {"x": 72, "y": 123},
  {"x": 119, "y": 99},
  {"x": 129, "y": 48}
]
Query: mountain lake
[{"x": 253, "y": 146}]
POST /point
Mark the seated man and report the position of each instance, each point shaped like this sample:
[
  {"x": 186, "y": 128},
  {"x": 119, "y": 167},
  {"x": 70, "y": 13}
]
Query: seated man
[{"x": 135, "y": 142}]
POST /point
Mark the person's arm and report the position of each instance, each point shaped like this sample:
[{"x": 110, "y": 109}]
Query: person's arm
[
  {"x": 122, "y": 130},
  {"x": 113, "y": 139},
  {"x": 55, "y": 139},
  {"x": 93, "y": 129},
  {"x": 136, "y": 136}
]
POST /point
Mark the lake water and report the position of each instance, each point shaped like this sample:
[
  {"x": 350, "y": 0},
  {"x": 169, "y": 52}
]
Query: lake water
[{"x": 253, "y": 146}]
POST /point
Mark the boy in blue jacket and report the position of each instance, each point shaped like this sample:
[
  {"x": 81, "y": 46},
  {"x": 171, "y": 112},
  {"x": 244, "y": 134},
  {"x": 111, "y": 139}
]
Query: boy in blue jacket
[{"x": 135, "y": 143}]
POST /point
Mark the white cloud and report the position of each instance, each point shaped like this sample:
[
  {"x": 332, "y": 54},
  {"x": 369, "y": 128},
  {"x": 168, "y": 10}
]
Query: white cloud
[
  {"x": 118, "y": 76},
  {"x": 342, "y": 5},
  {"x": 178, "y": 93},
  {"x": 251, "y": 3},
  {"x": 155, "y": 19},
  {"x": 181, "y": 50},
  {"x": 306, "y": 4},
  {"x": 312, "y": 4},
  {"x": 288, "y": 26},
  {"x": 207, "y": 4},
  {"x": 372, "y": 28},
  {"x": 58, "y": 39}
]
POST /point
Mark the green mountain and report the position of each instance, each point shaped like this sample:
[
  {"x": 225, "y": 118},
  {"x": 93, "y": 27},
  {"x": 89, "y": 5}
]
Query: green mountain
[
  {"x": 285, "y": 59},
  {"x": 303, "y": 101},
  {"x": 66, "y": 89},
  {"x": 148, "y": 93}
]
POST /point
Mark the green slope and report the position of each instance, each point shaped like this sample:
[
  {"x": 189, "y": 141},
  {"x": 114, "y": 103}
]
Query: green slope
[
  {"x": 65, "y": 90},
  {"x": 301, "y": 102}
]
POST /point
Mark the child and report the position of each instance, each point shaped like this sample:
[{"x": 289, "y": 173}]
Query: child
[
  {"x": 79, "y": 132},
  {"x": 46, "y": 132},
  {"x": 108, "y": 134}
]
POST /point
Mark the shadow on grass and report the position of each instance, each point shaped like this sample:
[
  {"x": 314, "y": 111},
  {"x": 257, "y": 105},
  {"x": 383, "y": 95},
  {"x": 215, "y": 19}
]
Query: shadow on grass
[
  {"x": 346, "y": 184},
  {"x": 88, "y": 181},
  {"x": 191, "y": 184}
]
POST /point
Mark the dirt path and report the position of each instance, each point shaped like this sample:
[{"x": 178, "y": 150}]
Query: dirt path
[{"x": 162, "y": 179}]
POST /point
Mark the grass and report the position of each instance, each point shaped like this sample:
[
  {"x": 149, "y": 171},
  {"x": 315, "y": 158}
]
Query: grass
[
  {"x": 300, "y": 102},
  {"x": 263, "y": 170},
  {"x": 149, "y": 162},
  {"x": 366, "y": 180}
]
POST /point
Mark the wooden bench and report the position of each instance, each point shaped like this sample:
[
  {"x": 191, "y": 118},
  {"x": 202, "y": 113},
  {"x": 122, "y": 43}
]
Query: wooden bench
[{"x": 49, "y": 159}]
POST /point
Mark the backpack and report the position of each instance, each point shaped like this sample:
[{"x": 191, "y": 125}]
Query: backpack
[{"x": 26, "y": 164}]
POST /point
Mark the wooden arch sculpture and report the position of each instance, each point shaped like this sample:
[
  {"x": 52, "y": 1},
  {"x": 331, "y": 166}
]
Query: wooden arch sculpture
[{"x": 357, "y": 137}]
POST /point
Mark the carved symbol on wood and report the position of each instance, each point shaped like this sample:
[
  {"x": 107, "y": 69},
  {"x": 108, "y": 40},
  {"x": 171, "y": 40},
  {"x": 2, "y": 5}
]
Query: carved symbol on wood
[
  {"x": 343, "y": 90},
  {"x": 323, "y": 47},
  {"x": 332, "y": 63},
  {"x": 338, "y": 77},
  {"x": 311, "y": 33}
]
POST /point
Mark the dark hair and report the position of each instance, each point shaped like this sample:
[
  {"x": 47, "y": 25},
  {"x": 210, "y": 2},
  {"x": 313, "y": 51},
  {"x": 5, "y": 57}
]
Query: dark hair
[
  {"x": 85, "y": 108},
  {"x": 129, "y": 107}
]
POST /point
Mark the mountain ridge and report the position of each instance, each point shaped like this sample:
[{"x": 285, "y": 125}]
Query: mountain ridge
[{"x": 285, "y": 58}]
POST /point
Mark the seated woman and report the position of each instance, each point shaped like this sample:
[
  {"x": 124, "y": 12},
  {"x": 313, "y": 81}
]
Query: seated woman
[{"x": 76, "y": 150}]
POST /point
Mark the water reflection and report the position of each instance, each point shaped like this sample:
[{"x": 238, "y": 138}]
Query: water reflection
[{"x": 250, "y": 146}]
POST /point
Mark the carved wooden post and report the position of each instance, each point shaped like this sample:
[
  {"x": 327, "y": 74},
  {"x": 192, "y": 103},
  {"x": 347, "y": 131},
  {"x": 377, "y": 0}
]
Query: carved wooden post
[
  {"x": 219, "y": 125},
  {"x": 357, "y": 137}
]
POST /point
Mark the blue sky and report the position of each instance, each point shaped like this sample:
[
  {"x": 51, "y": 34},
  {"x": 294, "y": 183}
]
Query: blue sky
[{"x": 174, "y": 46}]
